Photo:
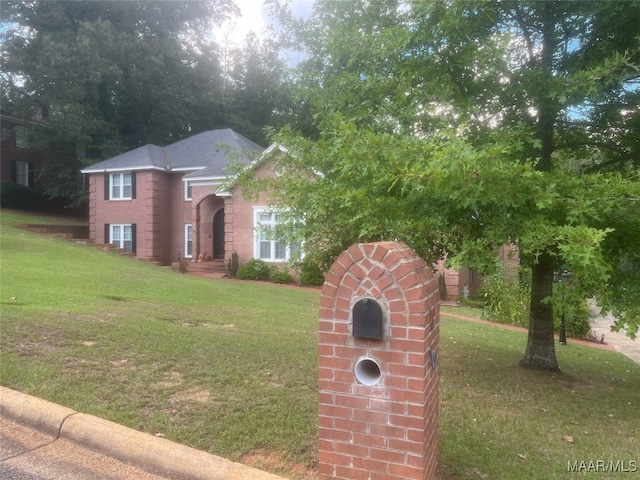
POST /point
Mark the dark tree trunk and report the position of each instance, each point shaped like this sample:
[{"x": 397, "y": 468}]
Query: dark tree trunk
[{"x": 541, "y": 353}]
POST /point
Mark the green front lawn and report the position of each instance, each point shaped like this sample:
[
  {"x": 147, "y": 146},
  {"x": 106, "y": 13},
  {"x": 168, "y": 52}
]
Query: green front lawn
[{"x": 229, "y": 367}]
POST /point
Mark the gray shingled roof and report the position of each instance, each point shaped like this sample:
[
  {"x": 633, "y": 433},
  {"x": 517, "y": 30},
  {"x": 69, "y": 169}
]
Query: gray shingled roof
[{"x": 208, "y": 152}]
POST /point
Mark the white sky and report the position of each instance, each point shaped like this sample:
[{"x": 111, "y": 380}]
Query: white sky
[{"x": 255, "y": 17}]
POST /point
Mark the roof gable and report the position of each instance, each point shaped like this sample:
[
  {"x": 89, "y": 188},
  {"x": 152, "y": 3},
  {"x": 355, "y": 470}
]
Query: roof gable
[
  {"x": 209, "y": 152},
  {"x": 147, "y": 156}
]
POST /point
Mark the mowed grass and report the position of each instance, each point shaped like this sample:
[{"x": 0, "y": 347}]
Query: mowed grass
[{"x": 230, "y": 367}]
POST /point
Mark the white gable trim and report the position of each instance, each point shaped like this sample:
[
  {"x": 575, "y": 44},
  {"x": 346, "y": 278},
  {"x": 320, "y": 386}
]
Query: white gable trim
[{"x": 139, "y": 168}]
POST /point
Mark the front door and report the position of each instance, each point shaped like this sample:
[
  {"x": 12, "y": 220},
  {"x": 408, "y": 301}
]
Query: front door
[{"x": 218, "y": 235}]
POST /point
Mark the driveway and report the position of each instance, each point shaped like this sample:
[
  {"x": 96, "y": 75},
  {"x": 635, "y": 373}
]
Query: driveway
[{"x": 601, "y": 325}]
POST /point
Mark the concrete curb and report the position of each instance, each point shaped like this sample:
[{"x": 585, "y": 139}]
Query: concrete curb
[
  {"x": 46, "y": 417},
  {"x": 152, "y": 454}
]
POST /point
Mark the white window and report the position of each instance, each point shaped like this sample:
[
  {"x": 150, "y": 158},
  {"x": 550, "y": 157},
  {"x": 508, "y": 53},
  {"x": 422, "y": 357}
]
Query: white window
[
  {"x": 22, "y": 173},
  {"x": 121, "y": 235},
  {"x": 187, "y": 190},
  {"x": 120, "y": 186},
  {"x": 266, "y": 246},
  {"x": 22, "y": 137},
  {"x": 188, "y": 240}
]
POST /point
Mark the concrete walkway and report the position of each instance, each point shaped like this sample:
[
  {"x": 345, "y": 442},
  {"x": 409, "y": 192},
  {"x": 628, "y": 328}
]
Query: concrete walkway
[
  {"x": 151, "y": 454},
  {"x": 601, "y": 325}
]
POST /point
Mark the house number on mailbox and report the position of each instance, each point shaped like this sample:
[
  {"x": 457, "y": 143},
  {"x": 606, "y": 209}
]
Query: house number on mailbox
[{"x": 367, "y": 319}]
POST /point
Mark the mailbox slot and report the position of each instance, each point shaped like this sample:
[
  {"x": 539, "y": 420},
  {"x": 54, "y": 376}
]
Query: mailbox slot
[{"x": 367, "y": 319}]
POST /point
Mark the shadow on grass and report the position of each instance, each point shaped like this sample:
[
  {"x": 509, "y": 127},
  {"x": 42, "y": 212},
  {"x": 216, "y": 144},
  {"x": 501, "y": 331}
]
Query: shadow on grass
[{"x": 498, "y": 420}]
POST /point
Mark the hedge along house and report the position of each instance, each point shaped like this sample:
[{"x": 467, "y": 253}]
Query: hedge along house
[{"x": 163, "y": 202}]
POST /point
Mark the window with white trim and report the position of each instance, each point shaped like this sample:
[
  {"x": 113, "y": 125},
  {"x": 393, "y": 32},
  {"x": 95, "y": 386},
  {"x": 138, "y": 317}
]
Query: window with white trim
[
  {"x": 22, "y": 173},
  {"x": 188, "y": 240},
  {"x": 187, "y": 190},
  {"x": 120, "y": 186},
  {"x": 121, "y": 235},
  {"x": 23, "y": 134},
  {"x": 266, "y": 246}
]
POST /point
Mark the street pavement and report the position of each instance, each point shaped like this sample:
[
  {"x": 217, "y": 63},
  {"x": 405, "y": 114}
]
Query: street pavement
[
  {"x": 8, "y": 473},
  {"x": 27, "y": 454}
]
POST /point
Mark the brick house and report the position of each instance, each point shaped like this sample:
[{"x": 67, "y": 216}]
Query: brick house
[
  {"x": 18, "y": 161},
  {"x": 163, "y": 202},
  {"x": 459, "y": 283}
]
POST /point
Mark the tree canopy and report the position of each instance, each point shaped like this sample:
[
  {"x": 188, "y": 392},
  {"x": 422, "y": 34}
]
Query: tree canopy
[
  {"x": 110, "y": 76},
  {"x": 259, "y": 88},
  {"x": 461, "y": 126}
]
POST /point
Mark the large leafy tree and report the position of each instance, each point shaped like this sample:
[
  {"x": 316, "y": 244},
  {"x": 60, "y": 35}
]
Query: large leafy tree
[
  {"x": 257, "y": 88},
  {"x": 110, "y": 75},
  {"x": 459, "y": 126}
]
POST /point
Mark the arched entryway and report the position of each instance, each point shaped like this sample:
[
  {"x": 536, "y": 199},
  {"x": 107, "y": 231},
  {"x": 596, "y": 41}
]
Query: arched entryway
[
  {"x": 208, "y": 212},
  {"x": 218, "y": 235}
]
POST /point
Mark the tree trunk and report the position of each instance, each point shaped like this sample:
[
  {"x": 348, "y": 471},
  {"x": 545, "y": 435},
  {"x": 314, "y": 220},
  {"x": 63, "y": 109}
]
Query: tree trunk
[{"x": 541, "y": 353}]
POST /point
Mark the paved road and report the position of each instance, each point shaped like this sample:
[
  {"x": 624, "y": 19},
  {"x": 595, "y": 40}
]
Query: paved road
[
  {"x": 8, "y": 473},
  {"x": 26, "y": 454}
]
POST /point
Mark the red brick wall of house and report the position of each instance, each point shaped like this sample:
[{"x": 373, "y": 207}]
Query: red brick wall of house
[
  {"x": 239, "y": 219},
  {"x": 151, "y": 212},
  {"x": 451, "y": 279},
  {"x": 93, "y": 207},
  {"x": 157, "y": 223},
  {"x": 161, "y": 213},
  {"x": 510, "y": 258},
  {"x": 457, "y": 280},
  {"x": 387, "y": 429},
  {"x": 181, "y": 214},
  {"x": 239, "y": 227}
]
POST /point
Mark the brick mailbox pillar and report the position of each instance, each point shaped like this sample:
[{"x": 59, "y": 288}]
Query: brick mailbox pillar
[{"x": 378, "y": 365}]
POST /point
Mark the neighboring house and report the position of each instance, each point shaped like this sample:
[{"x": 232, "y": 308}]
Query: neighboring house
[
  {"x": 459, "y": 283},
  {"x": 463, "y": 282},
  {"x": 161, "y": 203},
  {"x": 18, "y": 161}
]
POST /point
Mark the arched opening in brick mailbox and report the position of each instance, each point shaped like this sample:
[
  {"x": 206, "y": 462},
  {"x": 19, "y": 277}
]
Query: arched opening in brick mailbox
[{"x": 367, "y": 371}]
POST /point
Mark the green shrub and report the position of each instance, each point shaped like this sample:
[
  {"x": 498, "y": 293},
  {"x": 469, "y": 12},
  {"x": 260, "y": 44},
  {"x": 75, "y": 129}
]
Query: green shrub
[
  {"x": 310, "y": 273},
  {"x": 254, "y": 269},
  {"x": 17, "y": 196},
  {"x": 505, "y": 301},
  {"x": 232, "y": 265},
  {"x": 567, "y": 300},
  {"x": 280, "y": 276},
  {"x": 508, "y": 302}
]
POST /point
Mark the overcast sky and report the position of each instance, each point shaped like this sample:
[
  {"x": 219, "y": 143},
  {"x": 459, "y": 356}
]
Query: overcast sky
[{"x": 255, "y": 18}]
